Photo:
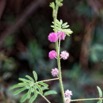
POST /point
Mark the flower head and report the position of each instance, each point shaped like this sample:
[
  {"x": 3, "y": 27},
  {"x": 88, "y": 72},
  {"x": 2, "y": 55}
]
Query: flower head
[
  {"x": 61, "y": 35},
  {"x": 64, "y": 55},
  {"x": 68, "y": 95},
  {"x": 52, "y": 54},
  {"x": 53, "y": 37},
  {"x": 54, "y": 72}
]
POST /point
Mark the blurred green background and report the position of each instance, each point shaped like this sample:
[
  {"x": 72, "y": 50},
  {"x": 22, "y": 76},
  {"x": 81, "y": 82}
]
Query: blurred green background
[{"x": 24, "y": 28}]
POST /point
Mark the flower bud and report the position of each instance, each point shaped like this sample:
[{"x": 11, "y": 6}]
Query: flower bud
[
  {"x": 53, "y": 37},
  {"x": 52, "y": 54}
]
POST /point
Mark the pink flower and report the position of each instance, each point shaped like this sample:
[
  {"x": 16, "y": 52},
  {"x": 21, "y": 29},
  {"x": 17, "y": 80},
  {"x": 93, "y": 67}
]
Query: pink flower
[
  {"x": 53, "y": 37},
  {"x": 52, "y": 54},
  {"x": 61, "y": 35},
  {"x": 68, "y": 93},
  {"x": 64, "y": 55},
  {"x": 54, "y": 72}
]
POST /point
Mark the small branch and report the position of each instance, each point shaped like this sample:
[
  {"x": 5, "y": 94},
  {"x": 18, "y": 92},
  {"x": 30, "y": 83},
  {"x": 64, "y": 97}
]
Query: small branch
[
  {"x": 45, "y": 98},
  {"x": 87, "y": 99},
  {"x": 48, "y": 80}
]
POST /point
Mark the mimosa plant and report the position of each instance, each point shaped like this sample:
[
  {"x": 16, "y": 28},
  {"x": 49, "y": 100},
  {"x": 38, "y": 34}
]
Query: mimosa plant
[{"x": 32, "y": 86}]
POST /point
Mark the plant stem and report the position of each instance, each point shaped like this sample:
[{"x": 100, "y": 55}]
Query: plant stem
[
  {"x": 55, "y": 13},
  {"x": 60, "y": 73},
  {"x": 48, "y": 80},
  {"x": 45, "y": 98},
  {"x": 87, "y": 99}
]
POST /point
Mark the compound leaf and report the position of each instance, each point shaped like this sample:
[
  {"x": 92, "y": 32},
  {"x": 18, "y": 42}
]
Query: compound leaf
[{"x": 50, "y": 92}]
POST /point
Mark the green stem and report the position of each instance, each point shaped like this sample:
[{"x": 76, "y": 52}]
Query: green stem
[
  {"x": 48, "y": 80},
  {"x": 87, "y": 99},
  {"x": 45, "y": 98},
  {"x": 55, "y": 13},
  {"x": 60, "y": 73}
]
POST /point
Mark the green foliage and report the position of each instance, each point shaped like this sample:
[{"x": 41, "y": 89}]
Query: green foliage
[
  {"x": 60, "y": 26},
  {"x": 96, "y": 52},
  {"x": 31, "y": 87},
  {"x": 57, "y": 2},
  {"x": 50, "y": 92},
  {"x": 52, "y": 5},
  {"x": 100, "y": 94}
]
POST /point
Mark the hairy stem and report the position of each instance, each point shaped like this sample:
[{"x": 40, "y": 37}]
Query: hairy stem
[
  {"x": 48, "y": 80},
  {"x": 86, "y": 99},
  {"x": 60, "y": 73},
  {"x": 55, "y": 12}
]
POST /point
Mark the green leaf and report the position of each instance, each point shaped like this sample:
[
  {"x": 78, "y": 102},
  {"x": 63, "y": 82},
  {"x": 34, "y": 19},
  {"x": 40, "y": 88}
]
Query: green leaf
[
  {"x": 24, "y": 97},
  {"x": 100, "y": 94},
  {"x": 61, "y": 22},
  {"x": 24, "y": 80},
  {"x": 99, "y": 91},
  {"x": 44, "y": 88},
  {"x": 52, "y": 5},
  {"x": 59, "y": 3},
  {"x": 39, "y": 88},
  {"x": 19, "y": 91},
  {"x": 35, "y": 75},
  {"x": 32, "y": 99},
  {"x": 58, "y": 22},
  {"x": 30, "y": 78},
  {"x": 50, "y": 92},
  {"x": 63, "y": 27},
  {"x": 17, "y": 86},
  {"x": 65, "y": 24},
  {"x": 68, "y": 31},
  {"x": 43, "y": 84}
]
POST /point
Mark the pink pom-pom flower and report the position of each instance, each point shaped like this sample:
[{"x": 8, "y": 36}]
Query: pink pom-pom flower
[
  {"x": 54, "y": 72},
  {"x": 64, "y": 55},
  {"x": 53, "y": 37},
  {"x": 67, "y": 95},
  {"x": 52, "y": 54},
  {"x": 61, "y": 35}
]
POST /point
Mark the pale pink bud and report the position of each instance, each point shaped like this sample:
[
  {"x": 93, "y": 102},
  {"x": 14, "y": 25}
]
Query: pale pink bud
[
  {"x": 61, "y": 35},
  {"x": 54, "y": 72},
  {"x": 53, "y": 37},
  {"x": 68, "y": 93},
  {"x": 64, "y": 55},
  {"x": 52, "y": 54}
]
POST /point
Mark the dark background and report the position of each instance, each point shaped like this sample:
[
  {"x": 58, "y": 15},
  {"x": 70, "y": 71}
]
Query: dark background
[{"x": 24, "y": 28}]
